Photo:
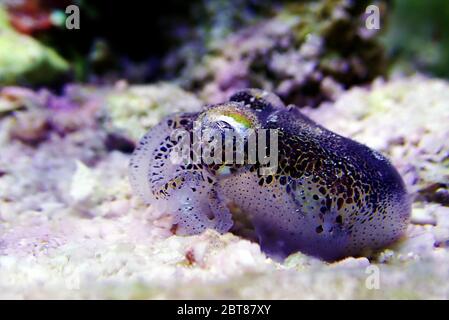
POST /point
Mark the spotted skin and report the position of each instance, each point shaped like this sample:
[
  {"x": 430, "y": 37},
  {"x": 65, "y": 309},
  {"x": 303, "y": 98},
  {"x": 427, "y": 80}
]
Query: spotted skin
[{"x": 329, "y": 197}]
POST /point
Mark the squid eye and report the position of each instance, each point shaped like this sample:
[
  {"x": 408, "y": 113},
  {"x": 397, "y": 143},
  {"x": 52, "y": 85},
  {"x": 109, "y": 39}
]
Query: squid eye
[
  {"x": 217, "y": 127},
  {"x": 223, "y": 125},
  {"x": 228, "y": 116}
]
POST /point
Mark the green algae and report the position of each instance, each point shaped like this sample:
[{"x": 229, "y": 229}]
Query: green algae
[{"x": 25, "y": 60}]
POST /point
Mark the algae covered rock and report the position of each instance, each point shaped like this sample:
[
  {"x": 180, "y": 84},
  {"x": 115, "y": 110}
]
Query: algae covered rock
[
  {"x": 305, "y": 52},
  {"x": 25, "y": 60},
  {"x": 115, "y": 116},
  {"x": 132, "y": 110}
]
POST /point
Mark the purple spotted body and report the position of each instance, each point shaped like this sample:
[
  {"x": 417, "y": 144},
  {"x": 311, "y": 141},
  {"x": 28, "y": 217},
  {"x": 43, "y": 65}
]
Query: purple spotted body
[{"x": 329, "y": 196}]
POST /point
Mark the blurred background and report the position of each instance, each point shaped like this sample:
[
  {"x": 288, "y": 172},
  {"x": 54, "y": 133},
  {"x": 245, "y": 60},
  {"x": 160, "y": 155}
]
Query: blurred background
[{"x": 211, "y": 47}]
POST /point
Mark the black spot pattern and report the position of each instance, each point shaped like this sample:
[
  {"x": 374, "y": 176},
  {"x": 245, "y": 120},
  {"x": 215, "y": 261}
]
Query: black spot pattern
[{"x": 329, "y": 197}]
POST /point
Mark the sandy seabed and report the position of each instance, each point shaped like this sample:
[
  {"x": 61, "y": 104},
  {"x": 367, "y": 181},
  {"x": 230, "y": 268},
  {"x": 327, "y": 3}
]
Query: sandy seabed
[{"x": 71, "y": 228}]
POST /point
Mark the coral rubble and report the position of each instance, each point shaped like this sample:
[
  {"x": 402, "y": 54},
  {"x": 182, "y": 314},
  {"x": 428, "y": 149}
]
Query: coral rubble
[{"x": 70, "y": 227}]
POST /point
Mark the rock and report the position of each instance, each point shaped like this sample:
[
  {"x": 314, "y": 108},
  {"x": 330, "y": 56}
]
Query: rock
[
  {"x": 83, "y": 182},
  {"x": 441, "y": 231},
  {"x": 29, "y": 127},
  {"x": 120, "y": 115},
  {"x": 130, "y": 111},
  {"x": 352, "y": 263},
  {"x": 300, "y": 53},
  {"x": 423, "y": 216},
  {"x": 23, "y": 60}
]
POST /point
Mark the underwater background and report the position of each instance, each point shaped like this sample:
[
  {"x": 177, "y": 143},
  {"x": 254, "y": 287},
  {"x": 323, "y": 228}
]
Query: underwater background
[{"x": 77, "y": 95}]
